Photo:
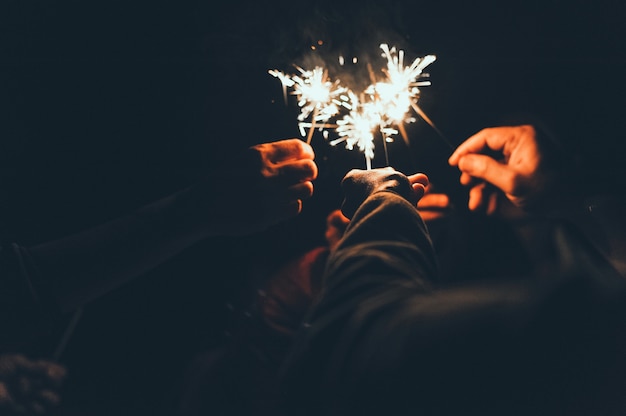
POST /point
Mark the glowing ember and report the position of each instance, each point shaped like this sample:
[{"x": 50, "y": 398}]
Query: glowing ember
[{"x": 383, "y": 107}]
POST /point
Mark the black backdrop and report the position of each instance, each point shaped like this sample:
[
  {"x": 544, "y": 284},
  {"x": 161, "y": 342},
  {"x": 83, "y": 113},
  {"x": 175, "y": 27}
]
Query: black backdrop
[{"x": 106, "y": 106}]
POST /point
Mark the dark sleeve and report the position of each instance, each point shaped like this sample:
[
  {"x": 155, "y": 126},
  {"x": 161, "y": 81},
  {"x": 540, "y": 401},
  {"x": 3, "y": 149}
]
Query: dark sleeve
[
  {"x": 26, "y": 306},
  {"x": 384, "y": 259},
  {"x": 385, "y": 338}
]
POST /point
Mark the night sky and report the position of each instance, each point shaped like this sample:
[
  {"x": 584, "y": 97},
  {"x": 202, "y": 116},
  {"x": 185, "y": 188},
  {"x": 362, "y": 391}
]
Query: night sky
[{"x": 105, "y": 106}]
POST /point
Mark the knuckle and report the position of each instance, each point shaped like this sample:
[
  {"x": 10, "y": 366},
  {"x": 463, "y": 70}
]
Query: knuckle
[
  {"x": 350, "y": 177},
  {"x": 296, "y": 144},
  {"x": 478, "y": 165},
  {"x": 397, "y": 176}
]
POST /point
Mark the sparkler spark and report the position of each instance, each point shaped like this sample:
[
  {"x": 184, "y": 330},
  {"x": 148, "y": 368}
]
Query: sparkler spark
[
  {"x": 382, "y": 108},
  {"x": 357, "y": 128},
  {"x": 317, "y": 96}
]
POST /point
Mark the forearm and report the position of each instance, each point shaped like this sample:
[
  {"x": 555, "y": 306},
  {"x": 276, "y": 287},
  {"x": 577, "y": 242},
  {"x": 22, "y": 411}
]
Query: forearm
[
  {"x": 384, "y": 257},
  {"x": 386, "y": 253},
  {"x": 86, "y": 265}
]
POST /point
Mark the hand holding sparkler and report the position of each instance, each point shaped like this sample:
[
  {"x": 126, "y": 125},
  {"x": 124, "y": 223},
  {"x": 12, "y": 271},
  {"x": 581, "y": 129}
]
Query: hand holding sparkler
[
  {"x": 261, "y": 188},
  {"x": 264, "y": 186},
  {"x": 521, "y": 172},
  {"x": 358, "y": 185}
]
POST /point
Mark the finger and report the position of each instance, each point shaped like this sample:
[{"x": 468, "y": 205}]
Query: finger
[
  {"x": 288, "y": 149},
  {"x": 434, "y": 201},
  {"x": 56, "y": 372},
  {"x": 337, "y": 219},
  {"x": 492, "y": 203},
  {"x": 474, "y": 144},
  {"x": 490, "y": 170},
  {"x": 296, "y": 171},
  {"x": 277, "y": 197},
  {"x": 419, "y": 178},
  {"x": 19, "y": 360},
  {"x": 489, "y": 138},
  {"x": 476, "y": 197},
  {"x": 419, "y": 189},
  {"x": 465, "y": 179},
  {"x": 303, "y": 190},
  {"x": 430, "y": 188},
  {"x": 484, "y": 197}
]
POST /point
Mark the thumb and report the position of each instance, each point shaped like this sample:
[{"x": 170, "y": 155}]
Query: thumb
[{"x": 488, "y": 169}]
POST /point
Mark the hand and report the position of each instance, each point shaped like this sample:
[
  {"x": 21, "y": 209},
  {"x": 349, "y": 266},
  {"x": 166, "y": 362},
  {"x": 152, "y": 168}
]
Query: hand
[
  {"x": 264, "y": 186},
  {"x": 28, "y": 386},
  {"x": 520, "y": 172},
  {"x": 358, "y": 185},
  {"x": 336, "y": 224}
]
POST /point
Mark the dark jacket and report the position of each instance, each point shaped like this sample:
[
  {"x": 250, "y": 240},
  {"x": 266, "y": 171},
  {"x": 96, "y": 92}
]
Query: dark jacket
[{"x": 385, "y": 338}]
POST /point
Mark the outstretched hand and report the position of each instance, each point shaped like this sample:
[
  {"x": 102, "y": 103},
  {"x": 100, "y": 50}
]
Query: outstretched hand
[{"x": 359, "y": 184}]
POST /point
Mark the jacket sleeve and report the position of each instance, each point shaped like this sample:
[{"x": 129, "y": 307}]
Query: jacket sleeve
[
  {"x": 384, "y": 259},
  {"x": 385, "y": 338}
]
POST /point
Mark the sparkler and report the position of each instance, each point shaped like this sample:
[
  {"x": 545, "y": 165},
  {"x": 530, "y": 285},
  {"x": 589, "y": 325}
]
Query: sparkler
[
  {"x": 317, "y": 96},
  {"x": 384, "y": 107}
]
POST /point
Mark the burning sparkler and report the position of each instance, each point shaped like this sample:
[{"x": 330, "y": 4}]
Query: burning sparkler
[
  {"x": 357, "y": 128},
  {"x": 317, "y": 96},
  {"x": 383, "y": 107}
]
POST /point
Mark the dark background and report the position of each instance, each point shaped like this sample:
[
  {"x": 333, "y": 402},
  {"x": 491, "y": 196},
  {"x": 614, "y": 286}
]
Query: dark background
[{"x": 105, "y": 106}]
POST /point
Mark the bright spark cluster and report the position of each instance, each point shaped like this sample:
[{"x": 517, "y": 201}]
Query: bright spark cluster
[{"x": 383, "y": 107}]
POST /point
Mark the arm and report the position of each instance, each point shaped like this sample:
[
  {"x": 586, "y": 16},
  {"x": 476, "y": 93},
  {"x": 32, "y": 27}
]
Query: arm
[
  {"x": 386, "y": 338},
  {"x": 384, "y": 258},
  {"x": 264, "y": 186}
]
